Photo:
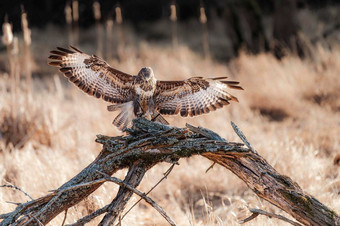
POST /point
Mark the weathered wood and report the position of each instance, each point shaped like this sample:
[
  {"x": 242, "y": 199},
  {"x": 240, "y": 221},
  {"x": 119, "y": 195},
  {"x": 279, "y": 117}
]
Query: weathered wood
[
  {"x": 133, "y": 178},
  {"x": 150, "y": 143},
  {"x": 277, "y": 189}
]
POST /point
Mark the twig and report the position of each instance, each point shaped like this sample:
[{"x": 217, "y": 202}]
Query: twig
[
  {"x": 257, "y": 212},
  {"x": 120, "y": 220},
  {"x": 101, "y": 180},
  {"x": 205, "y": 132},
  {"x": 142, "y": 195},
  {"x": 90, "y": 217},
  {"x": 242, "y": 137},
  {"x": 38, "y": 221},
  {"x": 17, "y": 188},
  {"x": 63, "y": 223},
  {"x": 14, "y": 203},
  {"x": 166, "y": 174},
  {"x": 210, "y": 167}
]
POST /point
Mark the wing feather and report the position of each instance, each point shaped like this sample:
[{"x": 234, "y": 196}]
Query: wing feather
[
  {"x": 193, "y": 96},
  {"x": 93, "y": 75}
]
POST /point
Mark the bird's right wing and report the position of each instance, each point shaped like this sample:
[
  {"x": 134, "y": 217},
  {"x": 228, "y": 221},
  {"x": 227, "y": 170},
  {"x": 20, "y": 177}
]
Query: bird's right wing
[{"x": 93, "y": 75}]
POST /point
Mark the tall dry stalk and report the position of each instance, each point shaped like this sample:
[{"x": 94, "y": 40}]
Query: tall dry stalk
[
  {"x": 109, "y": 38},
  {"x": 119, "y": 22},
  {"x": 7, "y": 40},
  {"x": 173, "y": 18},
  {"x": 75, "y": 16},
  {"x": 16, "y": 72},
  {"x": 119, "y": 17},
  {"x": 27, "y": 56},
  {"x": 68, "y": 18},
  {"x": 99, "y": 27},
  {"x": 205, "y": 34},
  {"x": 12, "y": 45}
]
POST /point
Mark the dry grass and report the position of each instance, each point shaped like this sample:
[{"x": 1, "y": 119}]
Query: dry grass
[{"x": 289, "y": 111}]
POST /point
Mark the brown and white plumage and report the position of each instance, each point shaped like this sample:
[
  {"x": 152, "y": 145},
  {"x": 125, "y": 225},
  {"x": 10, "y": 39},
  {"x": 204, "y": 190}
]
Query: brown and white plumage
[
  {"x": 93, "y": 75},
  {"x": 193, "y": 96},
  {"x": 142, "y": 95}
]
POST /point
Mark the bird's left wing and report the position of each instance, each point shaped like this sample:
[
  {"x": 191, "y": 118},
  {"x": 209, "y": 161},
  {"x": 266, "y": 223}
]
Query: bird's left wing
[
  {"x": 193, "y": 96},
  {"x": 93, "y": 75}
]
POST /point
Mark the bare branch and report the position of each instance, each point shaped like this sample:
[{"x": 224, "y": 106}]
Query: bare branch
[
  {"x": 205, "y": 132},
  {"x": 14, "y": 203},
  {"x": 65, "y": 216},
  {"x": 37, "y": 220},
  {"x": 164, "y": 177},
  {"x": 242, "y": 137},
  {"x": 142, "y": 195},
  {"x": 90, "y": 217},
  {"x": 59, "y": 193},
  {"x": 257, "y": 212},
  {"x": 17, "y": 188},
  {"x": 210, "y": 167},
  {"x": 134, "y": 176}
]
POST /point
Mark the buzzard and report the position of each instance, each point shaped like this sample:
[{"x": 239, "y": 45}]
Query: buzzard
[{"x": 141, "y": 95}]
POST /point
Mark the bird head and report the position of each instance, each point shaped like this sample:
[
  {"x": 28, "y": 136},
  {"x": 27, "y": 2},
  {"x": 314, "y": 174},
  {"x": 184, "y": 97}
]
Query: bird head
[{"x": 146, "y": 73}]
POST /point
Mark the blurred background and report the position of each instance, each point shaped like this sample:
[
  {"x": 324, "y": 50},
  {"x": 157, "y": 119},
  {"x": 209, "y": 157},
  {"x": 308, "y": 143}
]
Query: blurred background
[
  {"x": 284, "y": 53},
  {"x": 254, "y": 25}
]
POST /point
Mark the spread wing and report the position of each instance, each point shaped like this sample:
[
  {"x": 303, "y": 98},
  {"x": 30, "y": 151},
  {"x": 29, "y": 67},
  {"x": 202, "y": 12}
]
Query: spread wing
[
  {"x": 93, "y": 75},
  {"x": 193, "y": 96}
]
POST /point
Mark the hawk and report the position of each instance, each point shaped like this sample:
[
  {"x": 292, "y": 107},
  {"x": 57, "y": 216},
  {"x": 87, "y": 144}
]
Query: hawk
[{"x": 142, "y": 95}]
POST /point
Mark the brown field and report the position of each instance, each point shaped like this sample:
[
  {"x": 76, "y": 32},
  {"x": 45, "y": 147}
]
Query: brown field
[{"x": 289, "y": 111}]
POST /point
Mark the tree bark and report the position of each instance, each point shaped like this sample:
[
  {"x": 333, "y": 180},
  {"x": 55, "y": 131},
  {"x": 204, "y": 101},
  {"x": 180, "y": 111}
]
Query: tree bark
[{"x": 147, "y": 144}]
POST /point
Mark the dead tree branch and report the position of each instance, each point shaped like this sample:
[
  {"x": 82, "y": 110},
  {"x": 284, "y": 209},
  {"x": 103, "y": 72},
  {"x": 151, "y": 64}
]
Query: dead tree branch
[
  {"x": 140, "y": 194},
  {"x": 132, "y": 180},
  {"x": 257, "y": 212},
  {"x": 164, "y": 177},
  {"x": 17, "y": 188},
  {"x": 149, "y": 143}
]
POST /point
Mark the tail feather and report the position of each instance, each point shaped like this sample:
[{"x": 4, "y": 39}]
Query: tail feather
[
  {"x": 114, "y": 107},
  {"x": 124, "y": 118},
  {"x": 119, "y": 120}
]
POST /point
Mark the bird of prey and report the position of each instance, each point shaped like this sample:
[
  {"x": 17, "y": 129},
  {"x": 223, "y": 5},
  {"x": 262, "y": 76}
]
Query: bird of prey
[{"x": 142, "y": 95}]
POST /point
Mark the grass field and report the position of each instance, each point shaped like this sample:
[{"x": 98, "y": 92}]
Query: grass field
[{"x": 289, "y": 110}]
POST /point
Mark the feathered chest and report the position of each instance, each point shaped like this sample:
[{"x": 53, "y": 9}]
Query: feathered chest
[
  {"x": 144, "y": 95},
  {"x": 145, "y": 88}
]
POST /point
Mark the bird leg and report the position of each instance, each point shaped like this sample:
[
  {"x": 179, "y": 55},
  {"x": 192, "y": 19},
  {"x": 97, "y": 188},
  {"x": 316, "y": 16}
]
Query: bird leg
[
  {"x": 155, "y": 117},
  {"x": 139, "y": 111}
]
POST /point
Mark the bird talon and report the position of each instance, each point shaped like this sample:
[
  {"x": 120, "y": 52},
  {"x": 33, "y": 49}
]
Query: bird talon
[{"x": 155, "y": 117}]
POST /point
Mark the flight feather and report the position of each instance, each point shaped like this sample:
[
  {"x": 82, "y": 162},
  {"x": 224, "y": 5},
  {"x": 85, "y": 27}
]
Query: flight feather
[{"x": 93, "y": 75}]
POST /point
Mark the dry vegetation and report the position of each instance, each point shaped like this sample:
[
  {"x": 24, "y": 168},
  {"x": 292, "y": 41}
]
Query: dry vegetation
[{"x": 289, "y": 111}]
